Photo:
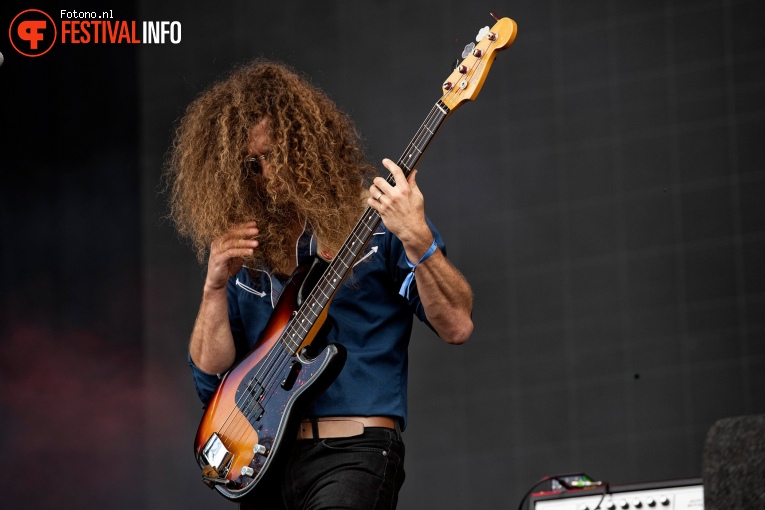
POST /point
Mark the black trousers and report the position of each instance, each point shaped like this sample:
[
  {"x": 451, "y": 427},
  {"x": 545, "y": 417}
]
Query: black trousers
[{"x": 363, "y": 472}]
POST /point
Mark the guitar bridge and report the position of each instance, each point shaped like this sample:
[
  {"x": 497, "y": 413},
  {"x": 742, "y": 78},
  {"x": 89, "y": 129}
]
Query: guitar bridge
[{"x": 218, "y": 461}]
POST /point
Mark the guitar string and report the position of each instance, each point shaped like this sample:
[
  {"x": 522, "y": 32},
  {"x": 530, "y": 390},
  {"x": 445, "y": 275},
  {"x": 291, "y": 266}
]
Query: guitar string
[
  {"x": 321, "y": 296},
  {"x": 270, "y": 383},
  {"x": 270, "y": 367},
  {"x": 276, "y": 369},
  {"x": 254, "y": 389},
  {"x": 371, "y": 221},
  {"x": 273, "y": 367},
  {"x": 267, "y": 387}
]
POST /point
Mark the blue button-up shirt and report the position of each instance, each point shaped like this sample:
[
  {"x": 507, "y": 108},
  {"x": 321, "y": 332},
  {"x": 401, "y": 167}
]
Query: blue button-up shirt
[{"x": 367, "y": 316}]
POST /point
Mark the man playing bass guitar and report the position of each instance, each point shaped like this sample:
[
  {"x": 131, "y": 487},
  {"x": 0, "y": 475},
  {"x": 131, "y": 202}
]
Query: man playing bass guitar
[{"x": 265, "y": 173}]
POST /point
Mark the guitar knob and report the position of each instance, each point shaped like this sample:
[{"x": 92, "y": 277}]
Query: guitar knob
[
  {"x": 259, "y": 449},
  {"x": 468, "y": 49},
  {"x": 448, "y": 85},
  {"x": 248, "y": 471}
]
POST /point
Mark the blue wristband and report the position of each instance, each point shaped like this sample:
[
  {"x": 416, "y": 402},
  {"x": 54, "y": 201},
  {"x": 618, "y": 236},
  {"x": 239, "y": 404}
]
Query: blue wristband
[{"x": 404, "y": 291}]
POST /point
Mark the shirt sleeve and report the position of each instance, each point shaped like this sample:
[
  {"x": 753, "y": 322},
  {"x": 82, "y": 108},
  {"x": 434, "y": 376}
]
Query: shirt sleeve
[{"x": 205, "y": 383}]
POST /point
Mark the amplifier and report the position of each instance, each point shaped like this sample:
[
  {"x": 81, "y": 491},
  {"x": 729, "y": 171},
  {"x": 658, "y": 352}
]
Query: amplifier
[{"x": 670, "y": 495}]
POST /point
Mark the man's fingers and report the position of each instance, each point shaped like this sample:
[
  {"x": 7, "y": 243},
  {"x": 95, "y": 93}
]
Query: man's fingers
[
  {"x": 411, "y": 179},
  {"x": 238, "y": 253},
  {"x": 234, "y": 237},
  {"x": 241, "y": 231},
  {"x": 395, "y": 170},
  {"x": 231, "y": 247}
]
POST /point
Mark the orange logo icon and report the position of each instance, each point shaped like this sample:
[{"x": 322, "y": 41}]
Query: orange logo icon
[{"x": 32, "y": 33}]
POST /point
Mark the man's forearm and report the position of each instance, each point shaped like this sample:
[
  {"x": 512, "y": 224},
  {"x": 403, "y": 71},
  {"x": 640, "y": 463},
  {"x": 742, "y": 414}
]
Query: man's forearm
[
  {"x": 212, "y": 345},
  {"x": 446, "y": 297}
]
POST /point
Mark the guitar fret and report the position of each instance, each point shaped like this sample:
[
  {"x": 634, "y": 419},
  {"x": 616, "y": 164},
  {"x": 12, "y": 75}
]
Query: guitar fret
[
  {"x": 349, "y": 254},
  {"x": 357, "y": 238}
]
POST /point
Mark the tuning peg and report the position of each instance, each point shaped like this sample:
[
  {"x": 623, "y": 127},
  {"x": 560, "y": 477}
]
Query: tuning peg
[
  {"x": 468, "y": 50},
  {"x": 487, "y": 33},
  {"x": 482, "y": 33}
]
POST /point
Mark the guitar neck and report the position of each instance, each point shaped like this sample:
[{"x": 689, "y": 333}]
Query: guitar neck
[
  {"x": 341, "y": 265},
  {"x": 422, "y": 139}
]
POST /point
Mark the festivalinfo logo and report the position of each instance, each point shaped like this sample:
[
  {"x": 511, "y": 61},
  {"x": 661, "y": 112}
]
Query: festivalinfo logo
[{"x": 34, "y": 32}]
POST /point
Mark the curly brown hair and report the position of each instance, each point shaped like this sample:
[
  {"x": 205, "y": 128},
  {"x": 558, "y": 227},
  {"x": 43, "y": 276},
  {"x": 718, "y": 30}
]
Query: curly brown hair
[{"x": 319, "y": 168}]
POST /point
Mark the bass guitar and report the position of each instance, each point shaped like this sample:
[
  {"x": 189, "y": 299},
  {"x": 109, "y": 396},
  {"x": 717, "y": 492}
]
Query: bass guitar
[{"x": 253, "y": 417}]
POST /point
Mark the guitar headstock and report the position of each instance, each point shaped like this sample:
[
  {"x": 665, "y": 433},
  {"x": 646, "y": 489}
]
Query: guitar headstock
[{"x": 466, "y": 80}]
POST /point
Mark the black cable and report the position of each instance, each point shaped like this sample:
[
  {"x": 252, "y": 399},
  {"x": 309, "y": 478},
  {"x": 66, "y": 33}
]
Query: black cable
[
  {"x": 606, "y": 488},
  {"x": 528, "y": 492},
  {"x": 566, "y": 485}
]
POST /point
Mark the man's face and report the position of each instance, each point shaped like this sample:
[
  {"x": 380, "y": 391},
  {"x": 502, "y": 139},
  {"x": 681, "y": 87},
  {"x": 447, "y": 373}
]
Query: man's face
[{"x": 259, "y": 146}]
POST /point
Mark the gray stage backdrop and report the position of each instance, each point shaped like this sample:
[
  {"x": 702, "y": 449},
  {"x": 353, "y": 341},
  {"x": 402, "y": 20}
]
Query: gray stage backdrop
[{"x": 604, "y": 195}]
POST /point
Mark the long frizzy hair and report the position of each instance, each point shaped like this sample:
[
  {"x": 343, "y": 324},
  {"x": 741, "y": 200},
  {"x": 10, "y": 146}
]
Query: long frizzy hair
[{"x": 319, "y": 169}]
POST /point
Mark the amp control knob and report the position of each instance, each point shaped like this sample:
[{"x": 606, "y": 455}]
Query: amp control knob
[
  {"x": 623, "y": 504},
  {"x": 664, "y": 500},
  {"x": 650, "y": 502}
]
